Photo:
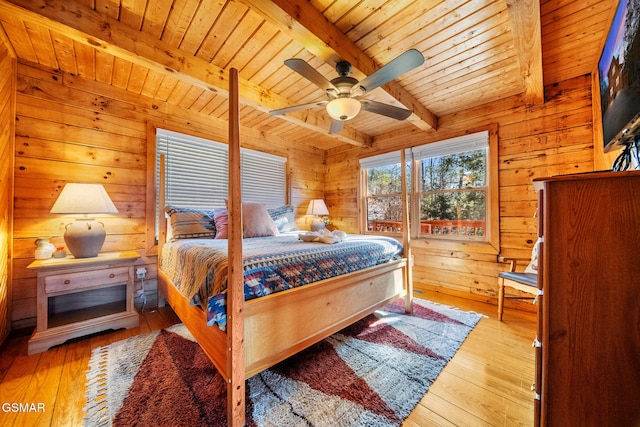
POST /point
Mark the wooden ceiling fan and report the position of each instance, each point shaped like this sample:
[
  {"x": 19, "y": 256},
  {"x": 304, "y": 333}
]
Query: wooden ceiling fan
[{"x": 344, "y": 92}]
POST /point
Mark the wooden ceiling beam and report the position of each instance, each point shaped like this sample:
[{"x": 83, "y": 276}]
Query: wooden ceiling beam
[
  {"x": 308, "y": 26},
  {"x": 524, "y": 16},
  {"x": 86, "y": 26}
]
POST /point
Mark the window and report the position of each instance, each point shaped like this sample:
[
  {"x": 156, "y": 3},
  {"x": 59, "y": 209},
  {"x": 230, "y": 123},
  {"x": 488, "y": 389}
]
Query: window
[
  {"x": 197, "y": 173},
  {"x": 382, "y": 178},
  {"x": 450, "y": 193}
]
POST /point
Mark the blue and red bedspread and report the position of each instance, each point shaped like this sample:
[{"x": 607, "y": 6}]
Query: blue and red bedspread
[{"x": 198, "y": 267}]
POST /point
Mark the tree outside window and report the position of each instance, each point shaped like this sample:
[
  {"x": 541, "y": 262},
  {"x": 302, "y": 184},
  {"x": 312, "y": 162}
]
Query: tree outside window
[
  {"x": 384, "y": 197},
  {"x": 453, "y": 194}
]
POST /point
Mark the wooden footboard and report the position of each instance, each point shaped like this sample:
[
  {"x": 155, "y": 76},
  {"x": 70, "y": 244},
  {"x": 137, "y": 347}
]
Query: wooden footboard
[{"x": 282, "y": 324}]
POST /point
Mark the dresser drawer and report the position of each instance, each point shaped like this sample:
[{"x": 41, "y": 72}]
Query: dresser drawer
[{"x": 87, "y": 279}]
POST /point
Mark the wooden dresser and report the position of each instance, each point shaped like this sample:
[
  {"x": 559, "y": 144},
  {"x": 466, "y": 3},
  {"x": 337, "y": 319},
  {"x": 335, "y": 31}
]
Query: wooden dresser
[{"x": 588, "y": 367}]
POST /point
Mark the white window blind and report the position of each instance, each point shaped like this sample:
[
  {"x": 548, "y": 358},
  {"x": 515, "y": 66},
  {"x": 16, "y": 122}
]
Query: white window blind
[
  {"x": 460, "y": 144},
  {"x": 384, "y": 159},
  {"x": 197, "y": 172},
  {"x": 263, "y": 178}
]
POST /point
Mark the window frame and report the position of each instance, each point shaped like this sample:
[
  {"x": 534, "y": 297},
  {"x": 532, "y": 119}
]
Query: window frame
[
  {"x": 492, "y": 235},
  {"x": 373, "y": 161}
]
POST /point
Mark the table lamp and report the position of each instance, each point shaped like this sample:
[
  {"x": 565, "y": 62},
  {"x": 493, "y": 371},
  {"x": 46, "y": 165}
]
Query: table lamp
[
  {"x": 85, "y": 236},
  {"x": 317, "y": 207}
]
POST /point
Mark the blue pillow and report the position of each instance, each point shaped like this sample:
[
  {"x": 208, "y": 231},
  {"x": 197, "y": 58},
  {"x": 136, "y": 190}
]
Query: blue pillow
[{"x": 283, "y": 217}]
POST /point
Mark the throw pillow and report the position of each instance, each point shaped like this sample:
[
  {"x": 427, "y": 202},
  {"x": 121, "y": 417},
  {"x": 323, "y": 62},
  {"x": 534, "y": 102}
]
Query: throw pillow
[
  {"x": 221, "y": 219},
  {"x": 283, "y": 217},
  {"x": 187, "y": 223},
  {"x": 533, "y": 264},
  {"x": 256, "y": 221}
]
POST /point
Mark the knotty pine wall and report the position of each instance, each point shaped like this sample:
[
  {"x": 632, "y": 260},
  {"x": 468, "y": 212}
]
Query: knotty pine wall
[
  {"x": 7, "y": 112},
  {"x": 550, "y": 139},
  {"x": 72, "y": 129}
]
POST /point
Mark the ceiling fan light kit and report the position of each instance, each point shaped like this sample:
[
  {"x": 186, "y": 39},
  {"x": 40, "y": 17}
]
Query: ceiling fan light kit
[
  {"x": 344, "y": 91},
  {"x": 343, "y": 108}
]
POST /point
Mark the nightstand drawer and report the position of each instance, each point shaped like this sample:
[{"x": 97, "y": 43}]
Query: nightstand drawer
[{"x": 87, "y": 279}]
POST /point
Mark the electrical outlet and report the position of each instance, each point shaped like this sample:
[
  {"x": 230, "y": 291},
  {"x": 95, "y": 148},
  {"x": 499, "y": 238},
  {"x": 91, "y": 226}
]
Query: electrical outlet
[{"x": 141, "y": 273}]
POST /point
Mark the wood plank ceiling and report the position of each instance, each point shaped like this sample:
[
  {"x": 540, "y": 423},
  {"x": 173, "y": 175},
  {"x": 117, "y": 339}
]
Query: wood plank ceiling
[{"x": 180, "y": 51}]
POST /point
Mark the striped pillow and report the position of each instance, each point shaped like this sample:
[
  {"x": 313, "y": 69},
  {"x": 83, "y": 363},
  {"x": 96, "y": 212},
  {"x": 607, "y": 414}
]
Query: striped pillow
[{"x": 187, "y": 223}]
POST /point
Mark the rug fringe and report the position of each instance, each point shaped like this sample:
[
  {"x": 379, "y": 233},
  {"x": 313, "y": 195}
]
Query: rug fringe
[{"x": 96, "y": 409}]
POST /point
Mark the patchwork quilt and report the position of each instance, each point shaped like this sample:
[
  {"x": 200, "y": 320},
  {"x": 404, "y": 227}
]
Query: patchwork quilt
[{"x": 199, "y": 267}]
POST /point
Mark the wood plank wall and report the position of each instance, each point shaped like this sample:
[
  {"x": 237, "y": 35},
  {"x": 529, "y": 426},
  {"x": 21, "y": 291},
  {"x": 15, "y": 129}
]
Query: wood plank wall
[
  {"x": 554, "y": 138},
  {"x": 72, "y": 129},
  {"x": 7, "y": 113}
]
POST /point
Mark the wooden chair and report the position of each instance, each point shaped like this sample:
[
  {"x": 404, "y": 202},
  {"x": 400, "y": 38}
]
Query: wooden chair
[{"x": 525, "y": 282}]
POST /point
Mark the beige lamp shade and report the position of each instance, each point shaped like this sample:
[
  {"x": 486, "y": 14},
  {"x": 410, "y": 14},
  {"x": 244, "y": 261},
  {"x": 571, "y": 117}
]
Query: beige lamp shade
[
  {"x": 317, "y": 207},
  {"x": 83, "y": 198},
  {"x": 84, "y": 237}
]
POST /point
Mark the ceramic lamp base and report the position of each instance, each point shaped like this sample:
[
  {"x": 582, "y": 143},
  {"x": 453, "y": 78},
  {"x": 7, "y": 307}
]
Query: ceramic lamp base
[
  {"x": 84, "y": 238},
  {"x": 317, "y": 224}
]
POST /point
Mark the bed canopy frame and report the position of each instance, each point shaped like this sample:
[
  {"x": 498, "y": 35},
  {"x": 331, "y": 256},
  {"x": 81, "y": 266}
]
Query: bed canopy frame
[{"x": 299, "y": 317}]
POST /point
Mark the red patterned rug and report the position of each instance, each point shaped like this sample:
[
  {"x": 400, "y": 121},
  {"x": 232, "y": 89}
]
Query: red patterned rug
[{"x": 372, "y": 373}]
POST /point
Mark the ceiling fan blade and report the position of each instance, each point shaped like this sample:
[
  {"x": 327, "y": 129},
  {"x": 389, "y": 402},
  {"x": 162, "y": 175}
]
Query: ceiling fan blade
[
  {"x": 385, "y": 109},
  {"x": 336, "y": 126},
  {"x": 297, "y": 108},
  {"x": 403, "y": 63},
  {"x": 303, "y": 68}
]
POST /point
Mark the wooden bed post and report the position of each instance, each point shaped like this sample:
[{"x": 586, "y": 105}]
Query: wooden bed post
[
  {"x": 406, "y": 235},
  {"x": 235, "y": 291},
  {"x": 162, "y": 198}
]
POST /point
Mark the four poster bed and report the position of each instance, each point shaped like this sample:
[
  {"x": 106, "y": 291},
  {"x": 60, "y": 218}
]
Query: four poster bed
[{"x": 263, "y": 331}]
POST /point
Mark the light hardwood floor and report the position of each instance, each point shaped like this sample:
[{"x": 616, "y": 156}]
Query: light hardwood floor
[{"x": 486, "y": 383}]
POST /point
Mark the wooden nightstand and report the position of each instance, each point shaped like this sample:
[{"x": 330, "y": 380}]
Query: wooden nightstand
[{"x": 70, "y": 282}]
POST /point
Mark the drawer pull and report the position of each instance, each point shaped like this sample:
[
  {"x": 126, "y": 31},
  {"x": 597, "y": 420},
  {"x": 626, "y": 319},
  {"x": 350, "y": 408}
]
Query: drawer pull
[
  {"x": 111, "y": 276},
  {"x": 67, "y": 281}
]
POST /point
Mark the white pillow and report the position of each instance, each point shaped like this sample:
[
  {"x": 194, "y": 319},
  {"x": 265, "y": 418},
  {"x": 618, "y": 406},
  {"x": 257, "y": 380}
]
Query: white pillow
[
  {"x": 256, "y": 221},
  {"x": 533, "y": 264}
]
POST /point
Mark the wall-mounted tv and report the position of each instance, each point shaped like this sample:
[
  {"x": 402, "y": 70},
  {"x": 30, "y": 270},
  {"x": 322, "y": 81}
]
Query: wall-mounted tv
[{"x": 619, "y": 72}]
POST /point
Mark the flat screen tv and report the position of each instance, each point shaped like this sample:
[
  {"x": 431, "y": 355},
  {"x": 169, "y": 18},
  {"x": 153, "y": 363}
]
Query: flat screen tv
[{"x": 619, "y": 72}]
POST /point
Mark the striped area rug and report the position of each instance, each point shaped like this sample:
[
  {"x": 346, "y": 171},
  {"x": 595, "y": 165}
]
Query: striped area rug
[{"x": 372, "y": 373}]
